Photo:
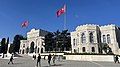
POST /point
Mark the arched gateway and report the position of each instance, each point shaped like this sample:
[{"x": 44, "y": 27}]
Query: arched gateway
[
  {"x": 32, "y": 47},
  {"x": 34, "y": 42}
]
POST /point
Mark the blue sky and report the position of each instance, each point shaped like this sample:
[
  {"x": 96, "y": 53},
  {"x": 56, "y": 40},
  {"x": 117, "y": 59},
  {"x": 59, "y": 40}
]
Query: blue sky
[{"x": 42, "y": 14}]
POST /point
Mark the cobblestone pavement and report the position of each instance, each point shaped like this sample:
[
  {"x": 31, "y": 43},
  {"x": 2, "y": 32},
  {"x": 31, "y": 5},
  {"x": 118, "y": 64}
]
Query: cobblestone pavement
[{"x": 28, "y": 62}]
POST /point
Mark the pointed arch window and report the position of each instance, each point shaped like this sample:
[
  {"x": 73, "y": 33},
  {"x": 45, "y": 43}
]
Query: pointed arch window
[
  {"x": 83, "y": 49},
  {"x": 93, "y": 49},
  {"x": 104, "y": 39},
  {"x": 83, "y": 38},
  {"x": 91, "y": 37},
  {"x": 108, "y": 38},
  {"x": 74, "y": 42}
]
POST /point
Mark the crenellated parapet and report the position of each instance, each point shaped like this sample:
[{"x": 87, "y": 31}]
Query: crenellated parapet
[{"x": 87, "y": 26}]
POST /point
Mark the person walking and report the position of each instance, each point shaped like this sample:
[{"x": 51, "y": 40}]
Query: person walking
[
  {"x": 33, "y": 57},
  {"x": 39, "y": 60},
  {"x": 49, "y": 59},
  {"x": 117, "y": 59},
  {"x": 11, "y": 59},
  {"x": 114, "y": 58},
  {"x": 44, "y": 57},
  {"x": 53, "y": 59}
]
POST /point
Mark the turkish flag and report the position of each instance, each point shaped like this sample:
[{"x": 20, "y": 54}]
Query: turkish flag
[
  {"x": 61, "y": 11},
  {"x": 25, "y": 23}
]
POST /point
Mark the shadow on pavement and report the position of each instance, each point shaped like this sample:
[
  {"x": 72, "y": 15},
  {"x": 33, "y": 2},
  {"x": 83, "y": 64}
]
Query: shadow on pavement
[
  {"x": 17, "y": 55},
  {"x": 17, "y": 63},
  {"x": 54, "y": 65}
]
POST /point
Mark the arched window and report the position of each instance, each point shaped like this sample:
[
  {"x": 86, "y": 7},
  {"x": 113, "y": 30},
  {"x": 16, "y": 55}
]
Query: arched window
[
  {"x": 83, "y": 38},
  {"x": 83, "y": 49},
  {"x": 41, "y": 50},
  {"x": 78, "y": 50},
  {"x": 93, "y": 49},
  {"x": 104, "y": 39},
  {"x": 108, "y": 39},
  {"x": 38, "y": 50},
  {"x": 23, "y": 45},
  {"x": 91, "y": 37},
  {"x": 74, "y": 42},
  {"x": 74, "y": 51}
]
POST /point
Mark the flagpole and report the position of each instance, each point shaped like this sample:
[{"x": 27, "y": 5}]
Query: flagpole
[{"x": 65, "y": 18}]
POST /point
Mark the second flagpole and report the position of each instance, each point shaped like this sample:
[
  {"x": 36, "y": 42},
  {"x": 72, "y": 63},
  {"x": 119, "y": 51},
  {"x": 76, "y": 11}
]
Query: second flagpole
[{"x": 65, "y": 17}]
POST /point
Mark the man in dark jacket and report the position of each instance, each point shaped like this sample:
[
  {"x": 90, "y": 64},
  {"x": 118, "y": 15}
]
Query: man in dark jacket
[
  {"x": 49, "y": 59},
  {"x": 39, "y": 60}
]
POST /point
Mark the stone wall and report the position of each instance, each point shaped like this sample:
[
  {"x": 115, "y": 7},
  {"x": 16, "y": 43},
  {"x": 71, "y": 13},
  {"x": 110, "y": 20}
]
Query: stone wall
[{"x": 108, "y": 58}]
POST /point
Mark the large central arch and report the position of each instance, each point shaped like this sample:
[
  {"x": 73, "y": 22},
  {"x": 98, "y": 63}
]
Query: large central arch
[{"x": 32, "y": 47}]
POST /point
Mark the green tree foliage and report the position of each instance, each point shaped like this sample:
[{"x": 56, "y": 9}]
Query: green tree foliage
[
  {"x": 16, "y": 42},
  {"x": 58, "y": 41},
  {"x": 66, "y": 40},
  {"x": 49, "y": 42},
  {"x": 3, "y": 45},
  {"x": 106, "y": 48}
]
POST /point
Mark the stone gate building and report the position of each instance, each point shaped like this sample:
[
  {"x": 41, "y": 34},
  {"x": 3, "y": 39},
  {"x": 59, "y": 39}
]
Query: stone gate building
[
  {"x": 87, "y": 38},
  {"x": 34, "y": 43}
]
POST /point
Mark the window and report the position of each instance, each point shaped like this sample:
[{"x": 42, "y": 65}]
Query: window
[
  {"x": 78, "y": 50},
  {"x": 77, "y": 38},
  {"x": 83, "y": 49},
  {"x": 93, "y": 49},
  {"x": 74, "y": 42},
  {"x": 104, "y": 39},
  {"x": 23, "y": 45},
  {"x": 74, "y": 51},
  {"x": 108, "y": 39},
  {"x": 91, "y": 37},
  {"x": 83, "y": 38}
]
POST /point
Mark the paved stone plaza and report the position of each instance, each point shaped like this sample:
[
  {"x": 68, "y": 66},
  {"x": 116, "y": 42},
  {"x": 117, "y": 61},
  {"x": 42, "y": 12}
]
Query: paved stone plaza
[{"x": 28, "y": 62}]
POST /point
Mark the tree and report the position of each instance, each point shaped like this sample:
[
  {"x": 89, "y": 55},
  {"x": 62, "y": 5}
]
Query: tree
[
  {"x": 106, "y": 48},
  {"x": 57, "y": 40},
  {"x": 66, "y": 40},
  {"x": 3, "y": 46},
  {"x": 49, "y": 42},
  {"x": 16, "y": 42}
]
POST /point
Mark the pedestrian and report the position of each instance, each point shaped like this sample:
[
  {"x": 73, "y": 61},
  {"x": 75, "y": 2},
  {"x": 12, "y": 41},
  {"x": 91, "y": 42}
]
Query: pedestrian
[
  {"x": 39, "y": 60},
  {"x": 117, "y": 59},
  {"x": 33, "y": 57},
  {"x": 53, "y": 59},
  {"x": 49, "y": 59},
  {"x": 44, "y": 57},
  {"x": 11, "y": 59},
  {"x": 58, "y": 57}
]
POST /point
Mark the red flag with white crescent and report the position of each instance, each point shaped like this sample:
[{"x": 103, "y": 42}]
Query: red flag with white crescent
[
  {"x": 25, "y": 23},
  {"x": 61, "y": 11}
]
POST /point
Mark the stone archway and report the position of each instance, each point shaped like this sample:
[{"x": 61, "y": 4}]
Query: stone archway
[{"x": 32, "y": 47}]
